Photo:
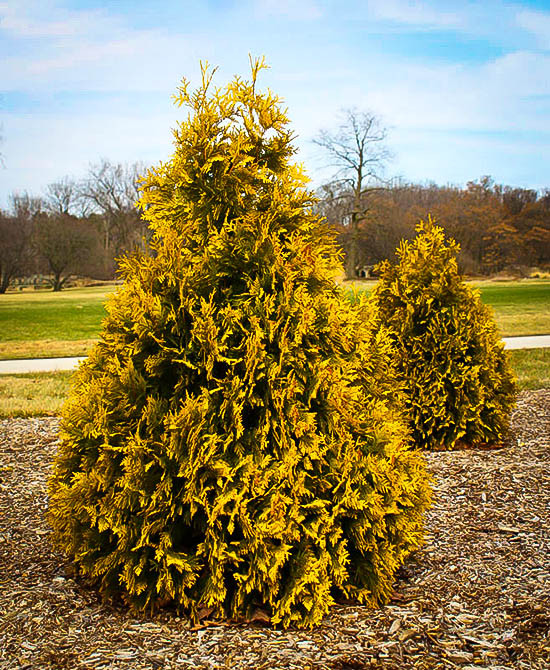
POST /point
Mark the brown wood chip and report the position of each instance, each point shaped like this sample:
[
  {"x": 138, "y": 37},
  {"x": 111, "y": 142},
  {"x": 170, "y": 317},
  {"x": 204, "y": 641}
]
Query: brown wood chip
[{"x": 476, "y": 596}]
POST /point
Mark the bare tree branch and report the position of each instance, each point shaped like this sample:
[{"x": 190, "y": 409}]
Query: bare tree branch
[
  {"x": 61, "y": 196},
  {"x": 111, "y": 190},
  {"x": 358, "y": 151}
]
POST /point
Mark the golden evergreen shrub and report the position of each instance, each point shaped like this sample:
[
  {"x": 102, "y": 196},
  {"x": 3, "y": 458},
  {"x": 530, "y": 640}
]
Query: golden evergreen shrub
[
  {"x": 221, "y": 447},
  {"x": 460, "y": 389}
]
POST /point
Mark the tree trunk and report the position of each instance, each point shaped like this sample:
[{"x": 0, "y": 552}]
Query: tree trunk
[
  {"x": 58, "y": 282},
  {"x": 4, "y": 283},
  {"x": 351, "y": 257},
  {"x": 353, "y": 249}
]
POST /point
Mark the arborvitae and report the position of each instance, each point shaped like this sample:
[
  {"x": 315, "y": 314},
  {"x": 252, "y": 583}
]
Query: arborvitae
[
  {"x": 460, "y": 389},
  {"x": 221, "y": 447}
]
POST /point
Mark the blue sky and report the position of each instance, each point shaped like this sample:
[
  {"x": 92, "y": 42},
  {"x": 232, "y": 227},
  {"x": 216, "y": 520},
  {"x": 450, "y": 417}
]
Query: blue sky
[{"x": 464, "y": 87}]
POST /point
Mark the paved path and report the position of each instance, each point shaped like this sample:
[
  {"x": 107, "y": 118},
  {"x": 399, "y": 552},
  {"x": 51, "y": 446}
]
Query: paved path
[
  {"x": 39, "y": 365},
  {"x": 529, "y": 342},
  {"x": 53, "y": 364}
]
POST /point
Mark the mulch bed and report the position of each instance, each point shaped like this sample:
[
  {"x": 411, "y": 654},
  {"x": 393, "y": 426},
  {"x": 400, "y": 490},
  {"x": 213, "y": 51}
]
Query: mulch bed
[{"x": 476, "y": 596}]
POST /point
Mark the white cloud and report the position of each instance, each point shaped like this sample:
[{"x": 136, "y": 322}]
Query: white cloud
[
  {"x": 33, "y": 20},
  {"x": 40, "y": 149},
  {"x": 537, "y": 23},
  {"x": 412, "y": 13},
  {"x": 91, "y": 51},
  {"x": 432, "y": 105},
  {"x": 299, "y": 11},
  {"x": 497, "y": 96},
  {"x": 447, "y": 122}
]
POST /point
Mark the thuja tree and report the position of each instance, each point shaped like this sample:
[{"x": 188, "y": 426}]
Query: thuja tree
[
  {"x": 230, "y": 442},
  {"x": 460, "y": 389}
]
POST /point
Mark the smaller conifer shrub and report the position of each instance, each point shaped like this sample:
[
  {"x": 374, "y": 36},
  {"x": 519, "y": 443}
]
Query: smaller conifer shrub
[{"x": 460, "y": 388}]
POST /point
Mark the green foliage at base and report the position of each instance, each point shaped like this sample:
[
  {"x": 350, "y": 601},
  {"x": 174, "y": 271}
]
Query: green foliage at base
[
  {"x": 232, "y": 441},
  {"x": 459, "y": 384}
]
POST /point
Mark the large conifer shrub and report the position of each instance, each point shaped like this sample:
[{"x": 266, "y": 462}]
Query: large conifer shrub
[
  {"x": 459, "y": 387},
  {"x": 231, "y": 441}
]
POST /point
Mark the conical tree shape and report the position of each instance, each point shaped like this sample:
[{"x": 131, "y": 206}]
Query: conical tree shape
[
  {"x": 460, "y": 389},
  {"x": 219, "y": 449}
]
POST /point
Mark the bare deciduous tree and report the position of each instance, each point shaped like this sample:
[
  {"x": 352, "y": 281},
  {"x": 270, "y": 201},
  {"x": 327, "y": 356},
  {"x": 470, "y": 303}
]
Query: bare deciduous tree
[
  {"x": 111, "y": 190},
  {"x": 14, "y": 239},
  {"x": 25, "y": 206},
  {"x": 15, "y": 234},
  {"x": 358, "y": 151},
  {"x": 63, "y": 244},
  {"x": 61, "y": 196}
]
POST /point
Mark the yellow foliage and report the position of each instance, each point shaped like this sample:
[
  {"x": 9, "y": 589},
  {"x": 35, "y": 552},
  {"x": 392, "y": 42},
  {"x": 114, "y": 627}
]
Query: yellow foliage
[
  {"x": 233, "y": 439},
  {"x": 459, "y": 386}
]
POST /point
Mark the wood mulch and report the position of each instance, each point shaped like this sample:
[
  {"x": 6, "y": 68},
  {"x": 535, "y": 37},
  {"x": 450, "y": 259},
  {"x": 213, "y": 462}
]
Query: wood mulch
[{"x": 477, "y": 595}]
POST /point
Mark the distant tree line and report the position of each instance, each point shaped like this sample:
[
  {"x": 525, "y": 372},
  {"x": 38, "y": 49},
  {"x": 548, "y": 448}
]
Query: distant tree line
[
  {"x": 499, "y": 228},
  {"x": 77, "y": 228},
  {"x": 80, "y": 228}
]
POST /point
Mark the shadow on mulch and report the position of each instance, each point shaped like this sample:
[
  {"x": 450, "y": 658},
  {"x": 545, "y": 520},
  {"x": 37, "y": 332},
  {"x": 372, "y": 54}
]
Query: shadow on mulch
[{"x": 349, "y": 664}]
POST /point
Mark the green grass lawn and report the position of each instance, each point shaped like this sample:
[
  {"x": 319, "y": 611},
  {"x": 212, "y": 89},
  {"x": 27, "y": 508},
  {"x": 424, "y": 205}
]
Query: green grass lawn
[
  {"x": 42, "y": 324},
  {"x": 37, "y": 324},
  {"x": 532, "y": 368},
  {"x": 520, "y": 307},
  {"x": 37, "y": 394}
]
